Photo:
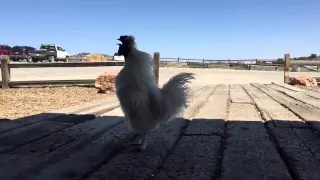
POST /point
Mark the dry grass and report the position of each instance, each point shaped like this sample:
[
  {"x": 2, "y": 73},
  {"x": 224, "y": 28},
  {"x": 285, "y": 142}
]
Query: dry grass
[{"x": 20, "y": 102}]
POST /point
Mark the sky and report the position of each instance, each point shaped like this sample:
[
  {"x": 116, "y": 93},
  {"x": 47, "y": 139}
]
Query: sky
[{"x": 210, "y": 29}]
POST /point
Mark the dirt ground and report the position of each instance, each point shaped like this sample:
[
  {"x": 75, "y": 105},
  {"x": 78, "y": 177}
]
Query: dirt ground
[{"x": 20, "y": 102}]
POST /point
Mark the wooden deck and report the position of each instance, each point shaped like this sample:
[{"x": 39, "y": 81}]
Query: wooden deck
[{"x": 242, "y": 132}]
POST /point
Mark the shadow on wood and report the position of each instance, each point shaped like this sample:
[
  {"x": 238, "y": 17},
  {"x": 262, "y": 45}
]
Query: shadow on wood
[{"x": 71, "y": 146}]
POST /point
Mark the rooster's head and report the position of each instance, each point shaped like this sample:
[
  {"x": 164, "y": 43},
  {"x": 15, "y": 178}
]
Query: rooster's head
[{"x": 126, "y": 45}]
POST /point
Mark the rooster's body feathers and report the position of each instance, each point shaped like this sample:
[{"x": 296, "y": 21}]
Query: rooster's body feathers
[{"x": 144, "y": 104}]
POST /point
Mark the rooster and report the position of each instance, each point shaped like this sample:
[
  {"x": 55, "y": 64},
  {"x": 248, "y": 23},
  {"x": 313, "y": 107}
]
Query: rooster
[{"x": 144, "y": 104}]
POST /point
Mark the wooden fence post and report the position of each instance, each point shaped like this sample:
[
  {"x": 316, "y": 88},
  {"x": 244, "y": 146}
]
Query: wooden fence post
[
  {"x": 156, "y": 58},
  {"x": 203, "y": 63},
  {"x": 286, "y": 68},
  {"x": 5, "y": 74}
]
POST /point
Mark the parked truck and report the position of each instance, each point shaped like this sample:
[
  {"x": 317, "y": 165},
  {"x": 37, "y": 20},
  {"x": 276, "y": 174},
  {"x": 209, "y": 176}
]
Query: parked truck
[
  {"x": 5, "y": 49},
  {"x": 52, "y": 52},
  {"x": 24, "y": 53}
]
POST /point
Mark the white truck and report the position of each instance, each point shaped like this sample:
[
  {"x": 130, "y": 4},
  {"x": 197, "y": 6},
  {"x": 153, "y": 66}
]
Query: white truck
[
  {"x": 53, "y": 52},
  {"x": 116, "y": 57}
]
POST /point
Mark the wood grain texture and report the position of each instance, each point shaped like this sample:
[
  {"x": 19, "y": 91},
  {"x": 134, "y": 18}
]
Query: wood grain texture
[
  {"x": 52, "y": 148},
  {"x": 296, "y": 89},
  {"x": 211, "y": 116},
  {"x": 200, "y": 143},
  {"x": 297, "y": 143},
  {"x": 238, "y": 95},
  {"x": 280, "y": 116},
  {"x": 309, "y": 113},
  {"x": 86, "y": 160},
  {"x": 239, "y": 131},
  {"x": 300, "y": 96},
  {"x": 64, "y": 112},
  {"x": 26, "y": 134},
  {"x": 129, "y": 164},
  {"x": 249, "y": 152},
  {"x": 197, "y": 100}
]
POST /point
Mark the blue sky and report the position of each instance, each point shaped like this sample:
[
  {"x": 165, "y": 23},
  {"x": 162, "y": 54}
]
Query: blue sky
[{"x": 210, "y": 29}]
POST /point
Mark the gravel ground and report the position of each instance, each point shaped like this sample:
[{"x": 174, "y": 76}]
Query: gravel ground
[{"x": 20, "y": 102}]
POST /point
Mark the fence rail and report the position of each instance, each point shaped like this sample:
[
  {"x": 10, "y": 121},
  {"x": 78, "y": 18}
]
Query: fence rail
[
  {"x": 68, "y": 64},
  {"x": 6, "y": 67},
  {"x": 249, "y": 64}
]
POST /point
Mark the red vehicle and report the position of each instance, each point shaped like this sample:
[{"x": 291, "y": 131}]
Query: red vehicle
[{"x": 5, "y": 49}]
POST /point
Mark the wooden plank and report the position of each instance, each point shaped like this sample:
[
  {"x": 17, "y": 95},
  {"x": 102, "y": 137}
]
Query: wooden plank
[
  {"x": 238, "y": 95},
  {"x": 99, "y": 110},
  {"x": 66, "y": 64},
  {"x": 111, "y": 103},
  {"x": 35, "y": 157},
  {"x": 300, "y": 149},
  {"x": 297, "y": 95},
  {"x": 195, "y": 157},
  {"x": 272, "y": 110},
  {"x": 290, "y": 87},
  {"x": 19, "y": 137},
  {"x": 196, "y": 65},
  {"x": 296, "y": 89},
  {"x": 197, "y": 154},
  {"x": 264, "y": 67},
  {"x": 139, "y": 165},
  {"x": 305, "y": 62},
  {"x": 243, "y": 112},
  {"x": 249, "y": 152},
  {"x": 309, "y": 113},
  {"x": 86, "y": 160},
  {"x": 222, "y": 66},
  {"x": 51, "y": 82},
  {"x": 142, "y": 165},
  {"x": 299, "y": 146},
  {"x": 197, "y": 100},
  {"x": 211, "y": 117},
  {"x": 18, "y": 123}
]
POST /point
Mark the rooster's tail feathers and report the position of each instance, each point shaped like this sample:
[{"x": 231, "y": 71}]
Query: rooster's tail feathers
[{"x": 175, "y": 95}]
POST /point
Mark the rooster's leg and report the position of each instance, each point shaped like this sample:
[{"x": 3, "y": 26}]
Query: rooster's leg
[
  {"x": 140, "y": 144},
  {"x": 143, "y": 142}
]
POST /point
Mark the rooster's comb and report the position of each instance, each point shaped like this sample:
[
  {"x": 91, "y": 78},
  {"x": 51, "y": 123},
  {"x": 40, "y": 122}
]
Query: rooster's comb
[{"x": 127, "y": 38}]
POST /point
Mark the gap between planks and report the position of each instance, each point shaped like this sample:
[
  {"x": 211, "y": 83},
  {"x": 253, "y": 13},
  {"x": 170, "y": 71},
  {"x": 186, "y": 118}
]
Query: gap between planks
[{"x": 296, "y": 142}]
